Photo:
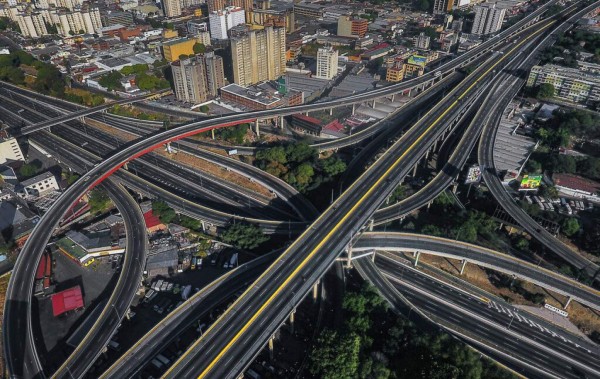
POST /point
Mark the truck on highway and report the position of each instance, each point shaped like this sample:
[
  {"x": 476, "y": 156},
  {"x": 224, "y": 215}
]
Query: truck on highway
[{"x": 185, "y": 293}]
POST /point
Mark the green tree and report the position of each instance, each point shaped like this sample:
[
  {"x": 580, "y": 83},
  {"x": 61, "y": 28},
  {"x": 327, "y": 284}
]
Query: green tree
[
  {"x": 244, "y": 236},
  {"x": 98, "y": 201},
  {"x": 303, "y": 175},
  {"x": 199, "y": 48},
  {"x": 569, "y": 226},
  {"x": 12, "y": 74},
  {"x": 111, "y": 81},
  {"x": 28, "y": 170},
  {"x": 589, "y": 167},
  {"x": 335, "y": 356},
  {"x": 204, "y": 108},
  {"x": 300, "y": 152},
  {"x": 333, "y": 166},
  {"x": 136, "y": 69},
  {"x": 545, "y": 90},
  {"x": 273, "y": 154}
]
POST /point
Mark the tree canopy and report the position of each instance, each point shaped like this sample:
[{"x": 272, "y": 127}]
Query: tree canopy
[{"x": 244, "y": 236}]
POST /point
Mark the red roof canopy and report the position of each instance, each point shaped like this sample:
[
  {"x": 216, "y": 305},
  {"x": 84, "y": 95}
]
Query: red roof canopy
[
  {"x": 67, "y": 300},
  {"x": 42, "y": 267},
  {"x": 151, "y": 220}
]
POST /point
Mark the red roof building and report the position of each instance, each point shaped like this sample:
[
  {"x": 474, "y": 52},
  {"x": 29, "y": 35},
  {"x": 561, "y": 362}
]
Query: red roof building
[
  {"x": 153, "y": 223},
  {"x": 576, "y": 185},
  {"x": 67, "y": 300},
  {"x": 42, "y": 267}
]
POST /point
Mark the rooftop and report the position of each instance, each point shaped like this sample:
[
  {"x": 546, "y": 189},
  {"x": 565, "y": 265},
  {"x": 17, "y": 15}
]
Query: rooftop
[
  {"x": 258, "y": 93},
  {"x": 67, "y": 300},
  {"x": 576, "y": 182},
  {"x": 37, "y": 178}
]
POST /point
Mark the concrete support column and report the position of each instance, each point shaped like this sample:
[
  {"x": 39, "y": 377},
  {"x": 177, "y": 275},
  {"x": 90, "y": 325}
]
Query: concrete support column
[
  {"x": 353, "y": 109},
  {"x": 415, "y": 170},
  {"x": 272, "y": 347},
  {"x": 434, "y": 147},
  {"x": 373, "y": 103},
  {"x": 256, "y": 128},
  {"x": 417, "y": 255},
  {"x": 454, "y": 187},
  {"x": 393, "y": 97},
  {"x": 316, "y": 290},
  {"x": 349, "y": 254},
  {"x": 306, "y": 114},
  {"x": 281, "y": 122},
  {"x": 331, "y": 111},
  {"x": 568, "y": 302},
  {"x": 203, "y": 225},
  {"x": 373, "y": 256},
  {"x": 371, "y": 224},
  {"x": 126, "y": 166},
  {"x": 212, "y": 133},
  {"x": 426, "y": 156},
  {"x": 429, "y": 204},
  {"x": 462, "y": 268}
]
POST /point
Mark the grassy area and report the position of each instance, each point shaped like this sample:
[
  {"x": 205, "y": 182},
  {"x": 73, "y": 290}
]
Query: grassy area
[{"x": 129, "y": 111}]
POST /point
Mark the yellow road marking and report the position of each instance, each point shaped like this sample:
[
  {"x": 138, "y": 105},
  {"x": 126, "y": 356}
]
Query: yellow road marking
[{"x": 336, "y": 227}]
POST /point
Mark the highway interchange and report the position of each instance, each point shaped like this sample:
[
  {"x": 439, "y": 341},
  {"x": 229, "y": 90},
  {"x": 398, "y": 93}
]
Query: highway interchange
[{"x": 285, "y": 282}]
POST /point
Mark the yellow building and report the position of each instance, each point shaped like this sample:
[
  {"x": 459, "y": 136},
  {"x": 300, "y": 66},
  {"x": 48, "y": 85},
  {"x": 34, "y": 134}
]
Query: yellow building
[
  {"x": 395, "y": 74},
  {"x": 412, "y": 70},
  {"x": 173, "y": 49},
  {"x": 169, "y": 33}
]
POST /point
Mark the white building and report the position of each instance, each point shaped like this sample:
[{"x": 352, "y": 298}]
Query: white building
[
  {"x": 221, "y": 21},
  {"x": 488, "y": 19},
  {"x": 327, "y": 63},
  {"x": 422, "y": 41},
  {"x": 10, "y": 151},
  {"x": 39, "y": 185},
  {"x": 31, "y": 24}
]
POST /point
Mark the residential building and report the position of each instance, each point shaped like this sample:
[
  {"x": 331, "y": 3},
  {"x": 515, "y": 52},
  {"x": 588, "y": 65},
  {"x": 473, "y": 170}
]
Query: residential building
[
  {"x": 222, "y": 20},
  {"x": 570, "y": 84},
  {"x": 215, "y": 73},
  {"x": 488, "y": 19},
  {"x": 175, "y": 48},
  {"x": 258, "y": 55},
  {"x": 246, "y": 5},
  {"x": 576, "y": 186},
  {"x": 198, "y": 78},
  {"x": 309, "y": 10},
  {"x": 327, "y": 63},
  {"x": 352, "y": 27},
  {"x": 395, "y": 73},
  {"x": 195, "y": 27},
  {"x": 38, "y": 185},
  {"x": 422, "y": 41},
  {"x": 414, "y": 66},
  {"x": 10, "y": 151},
  {"x": 204, "y": 38},
  {"x": 84, "y": 20},
  {"x": 172, "y": 8},
  {"x": 31, "y": 24},
  {"x": 442, "y": 6},
  {"x": 215, "y": 5}
]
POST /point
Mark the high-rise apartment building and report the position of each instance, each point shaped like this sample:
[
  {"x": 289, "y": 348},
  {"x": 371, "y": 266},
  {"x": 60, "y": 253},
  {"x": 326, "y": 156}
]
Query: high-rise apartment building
[
  {"x": 442, "y": 6},
  {"x": 172, "y": 8},
  {"x": 189, "y": 79},
  {"x": 198, "y": 78},
  {"x": 84, "y": 20},
  {"x": 422, "y": 41},
  {"x": 32, "y": 24},
  {"x": 246, "y": 5},
  {"x": 488, "y": 18},
  {"x": 327, "y": 63},
  {"x": 221, "y": 21},
  {"x": 258, "y": 55},
  {"x": 215, "y": 74},
  {"x": 215, "y": 5},
  {"x": 352, "y": 27}
]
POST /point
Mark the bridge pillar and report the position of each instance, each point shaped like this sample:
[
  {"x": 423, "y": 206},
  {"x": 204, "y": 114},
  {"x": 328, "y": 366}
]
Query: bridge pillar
[
  {"x": 373, "y": 103},
  {"x": 568, "y": 302},
  {"x": 212, "y": 133},
  {"x": 434, "y": 148},
  {"x": 429, "y": 205},
  {"x": 371, "y": 224},
  {"x": 393, "y": 97},
  {"x": 353, "y": 109},
  {"x": 203, "y": 225},
  {"x": 462, "y": 268},
  {"x": 454, "y": 187},
  {"x": 256, "y": 128},
  {"x": 417, "y": 255},
  {"x": 331, "y": 111},
  {"x": 349, "y": 254},
  {"x": 125, "y": 166},
  {"x": 373, "y": 256},
  {"x": 281, "y": 122},
  {"x": 272, "y": 347},
  {"x": 415, "y": 170},
  {"x": 426, "y": 156},
  {"x": 292, "y": 319},
  {"x": 306, "y": 113}
]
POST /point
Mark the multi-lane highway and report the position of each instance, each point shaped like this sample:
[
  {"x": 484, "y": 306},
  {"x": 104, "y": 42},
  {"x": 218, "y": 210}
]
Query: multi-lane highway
[
  {"x": 529, "y": 344},
  {"x": 406, "y": 242},
  {"x": 369, "y": 195},
  {"x": 246, "y": 326}
]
